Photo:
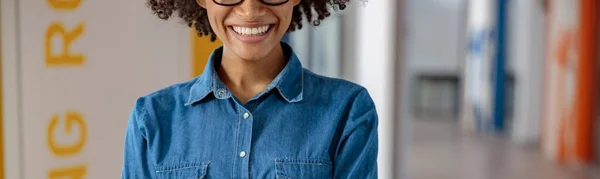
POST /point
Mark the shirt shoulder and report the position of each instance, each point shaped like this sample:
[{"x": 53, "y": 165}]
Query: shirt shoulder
[
  {"x": 326, "y": 85},
  {"x": 165, "y": 100},
  {"x": 337, "y": 91},
  {"x": 353, "y": 99}
]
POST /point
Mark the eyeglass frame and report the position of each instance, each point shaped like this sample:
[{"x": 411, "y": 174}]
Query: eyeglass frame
[{"x": 262, "y": 1}]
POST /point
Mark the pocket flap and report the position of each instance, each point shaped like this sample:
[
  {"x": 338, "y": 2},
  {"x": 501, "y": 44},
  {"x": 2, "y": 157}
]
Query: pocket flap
[
  {"x": 303, "y": 168},
  {"x": 182, "y": 170}
]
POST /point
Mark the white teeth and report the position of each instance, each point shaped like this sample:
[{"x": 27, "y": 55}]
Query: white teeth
[{"x": 250, "y": 31}]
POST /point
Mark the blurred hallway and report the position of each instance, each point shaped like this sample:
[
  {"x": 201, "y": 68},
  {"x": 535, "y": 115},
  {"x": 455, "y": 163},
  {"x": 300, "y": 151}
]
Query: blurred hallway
[
  {"x": 441, "y": 150},
  {"x": 442, "y": 75}
]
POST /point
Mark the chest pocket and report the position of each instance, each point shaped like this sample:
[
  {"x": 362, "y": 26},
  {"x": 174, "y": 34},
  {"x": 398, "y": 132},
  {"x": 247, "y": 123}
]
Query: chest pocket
[
  {"x": 182, "y": 171},
  {"x": 300, "y": 169}
]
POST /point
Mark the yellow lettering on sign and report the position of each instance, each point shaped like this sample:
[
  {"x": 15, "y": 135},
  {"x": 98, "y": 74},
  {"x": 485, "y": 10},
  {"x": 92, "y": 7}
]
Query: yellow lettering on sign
[
  {"x": 72, "y": 172},
  {"x": 65, "y": 58},
  {"x": 72, "y": 119},
  {"x": 64, "y": 5}
]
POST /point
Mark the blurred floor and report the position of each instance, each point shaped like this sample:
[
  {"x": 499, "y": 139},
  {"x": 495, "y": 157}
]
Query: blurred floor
[{"x": 441, "y": 151}]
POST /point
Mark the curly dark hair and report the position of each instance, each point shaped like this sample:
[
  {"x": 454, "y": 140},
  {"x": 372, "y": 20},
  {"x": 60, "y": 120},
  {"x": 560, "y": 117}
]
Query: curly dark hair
[{"x": 194, "y": 15}]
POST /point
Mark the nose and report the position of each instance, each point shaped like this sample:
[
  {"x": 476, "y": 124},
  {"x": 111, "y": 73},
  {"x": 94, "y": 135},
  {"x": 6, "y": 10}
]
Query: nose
[{"x": 250, "y": 10}]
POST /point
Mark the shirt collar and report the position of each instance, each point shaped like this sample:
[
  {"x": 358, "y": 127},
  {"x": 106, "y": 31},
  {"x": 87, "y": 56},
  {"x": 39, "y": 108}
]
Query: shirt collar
[{"x": 289, "y": 82}]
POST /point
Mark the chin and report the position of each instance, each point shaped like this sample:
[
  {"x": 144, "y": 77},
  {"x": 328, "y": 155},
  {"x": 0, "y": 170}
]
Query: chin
[{"x": 253, "y": 52}]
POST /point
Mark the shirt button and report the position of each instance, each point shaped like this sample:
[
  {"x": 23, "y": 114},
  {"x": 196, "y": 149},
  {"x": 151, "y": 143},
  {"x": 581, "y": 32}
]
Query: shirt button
[
  {"x": 221, "y": 92},
  {"x": 246, "y": 115},
  {"x": 242, "y": 154}
]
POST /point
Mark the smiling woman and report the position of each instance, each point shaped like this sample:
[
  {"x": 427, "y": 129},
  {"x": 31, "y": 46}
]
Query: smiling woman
[
  {"x": 254, "y": 112},
  {"x": 222, "y": 17}
]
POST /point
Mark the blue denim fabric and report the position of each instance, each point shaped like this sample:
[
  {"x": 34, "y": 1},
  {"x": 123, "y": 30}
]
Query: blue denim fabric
[{"x": 301, "y": 126}]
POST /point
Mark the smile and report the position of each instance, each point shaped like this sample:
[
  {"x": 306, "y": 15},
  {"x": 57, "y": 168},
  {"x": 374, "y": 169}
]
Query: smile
[{"x": 251, "y": 31}]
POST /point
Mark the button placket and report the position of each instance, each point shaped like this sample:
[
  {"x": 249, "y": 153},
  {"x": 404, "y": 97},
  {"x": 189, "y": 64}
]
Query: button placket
[{"x": 244, "y": 143}]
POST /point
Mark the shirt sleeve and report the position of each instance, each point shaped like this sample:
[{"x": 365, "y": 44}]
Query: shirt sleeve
[
  {"x": 135, "y": 161},
  {"x": 357, "y": 152}
]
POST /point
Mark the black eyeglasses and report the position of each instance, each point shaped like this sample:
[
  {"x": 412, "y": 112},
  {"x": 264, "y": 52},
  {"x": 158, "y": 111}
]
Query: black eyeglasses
[{"x": 236, "y": 2}]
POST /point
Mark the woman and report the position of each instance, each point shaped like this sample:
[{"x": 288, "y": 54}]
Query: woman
[{"x": 254, "y": 112}]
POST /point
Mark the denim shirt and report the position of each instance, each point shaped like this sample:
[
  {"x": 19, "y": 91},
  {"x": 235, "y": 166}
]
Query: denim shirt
[{"x": 301, "y": 126}]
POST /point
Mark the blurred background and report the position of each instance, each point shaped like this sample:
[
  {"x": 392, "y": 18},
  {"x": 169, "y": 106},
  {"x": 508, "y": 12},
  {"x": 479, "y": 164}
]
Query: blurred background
[{"x": 464, "y": 88}]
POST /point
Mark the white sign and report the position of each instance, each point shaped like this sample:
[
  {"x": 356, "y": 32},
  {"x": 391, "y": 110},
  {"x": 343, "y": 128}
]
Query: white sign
[{"x": 82, "y": 66}]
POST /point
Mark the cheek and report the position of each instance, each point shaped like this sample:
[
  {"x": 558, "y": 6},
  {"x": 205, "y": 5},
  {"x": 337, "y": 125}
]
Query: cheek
[
  {"x": 285, "y": 17},
  {"x": 216, "y": 18}
]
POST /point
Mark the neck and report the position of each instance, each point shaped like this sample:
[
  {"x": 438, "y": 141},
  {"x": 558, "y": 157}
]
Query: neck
[{"x": 249, "y": 77}]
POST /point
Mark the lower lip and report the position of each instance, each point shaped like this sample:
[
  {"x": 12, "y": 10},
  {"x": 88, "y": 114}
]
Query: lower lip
[{"x": 252, "y": 38}]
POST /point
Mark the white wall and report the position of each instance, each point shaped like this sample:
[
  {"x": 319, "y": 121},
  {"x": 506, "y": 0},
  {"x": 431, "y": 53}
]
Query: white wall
[
  {"x": 434, "y": 36},
  {"x": 319, "y": 48},
  {"x": 525, "y": 58},
  {"x": 374, "y": 70}
]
